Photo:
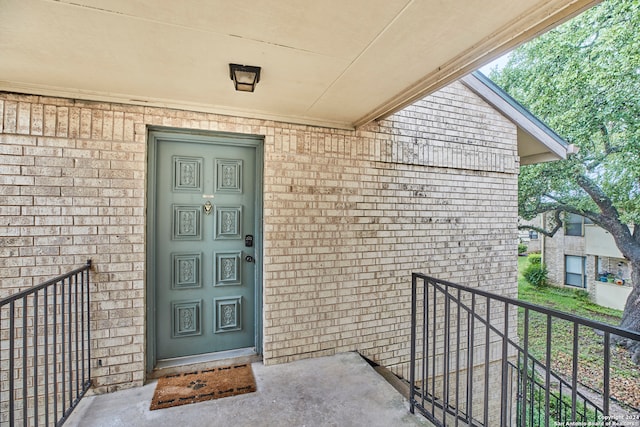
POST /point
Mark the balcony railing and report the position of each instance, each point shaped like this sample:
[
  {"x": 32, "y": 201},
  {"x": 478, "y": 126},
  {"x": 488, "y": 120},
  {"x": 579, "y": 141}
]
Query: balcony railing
[
  {"x": 45, "y": 350},
  {"x": 473, "y": 364}
]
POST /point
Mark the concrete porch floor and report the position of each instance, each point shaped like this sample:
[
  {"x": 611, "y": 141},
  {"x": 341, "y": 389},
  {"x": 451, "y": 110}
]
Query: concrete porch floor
[{"x": 341, "y": 390}]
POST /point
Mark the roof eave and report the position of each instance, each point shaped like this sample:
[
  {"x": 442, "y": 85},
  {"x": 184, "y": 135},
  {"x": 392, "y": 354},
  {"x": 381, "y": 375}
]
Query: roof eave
[{"x": 556, "y": 147}]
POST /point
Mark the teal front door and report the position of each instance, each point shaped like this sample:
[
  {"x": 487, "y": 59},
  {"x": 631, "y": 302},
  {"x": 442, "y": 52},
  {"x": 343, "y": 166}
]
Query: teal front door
[{"x": 204, "y": 238}]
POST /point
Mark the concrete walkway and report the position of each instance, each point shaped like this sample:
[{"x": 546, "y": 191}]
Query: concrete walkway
[{"x": 341, "y": 391}]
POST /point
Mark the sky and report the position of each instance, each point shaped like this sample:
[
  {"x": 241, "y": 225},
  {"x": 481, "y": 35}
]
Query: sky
[{"x": 500, "y": 62}]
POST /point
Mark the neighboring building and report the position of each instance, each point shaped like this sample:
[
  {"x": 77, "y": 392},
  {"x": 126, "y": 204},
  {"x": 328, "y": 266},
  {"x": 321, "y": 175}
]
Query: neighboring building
[
  {"x": 531, "y": 238},
  {"x": 606, "y": 262},
  {"x": 583, "y": 255}
]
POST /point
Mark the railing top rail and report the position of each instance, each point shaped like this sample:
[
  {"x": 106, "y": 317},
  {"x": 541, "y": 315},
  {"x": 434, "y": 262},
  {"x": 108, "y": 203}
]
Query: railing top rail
[
  {"x": 626, "y": 333},
  {"x": 50, "y": 282}
]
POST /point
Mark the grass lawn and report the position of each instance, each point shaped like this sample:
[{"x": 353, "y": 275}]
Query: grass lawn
[{"x": 625, "y": 376}]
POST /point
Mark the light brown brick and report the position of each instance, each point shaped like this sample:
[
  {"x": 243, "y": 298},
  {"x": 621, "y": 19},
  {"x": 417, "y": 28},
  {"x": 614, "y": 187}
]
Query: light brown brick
[{"x": 348, "y": 216}]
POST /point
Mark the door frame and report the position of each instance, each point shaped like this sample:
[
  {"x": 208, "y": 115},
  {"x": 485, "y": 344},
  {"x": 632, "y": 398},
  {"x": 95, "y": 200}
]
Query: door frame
[{"x": 155, "y": 134}]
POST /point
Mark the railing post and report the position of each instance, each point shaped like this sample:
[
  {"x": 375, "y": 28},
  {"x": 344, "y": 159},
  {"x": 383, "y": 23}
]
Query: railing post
[
  {"x": 445, "y": 354},
  {"x": 547, "y": 381},
  {"x": 425, "y": 340},
  {"x": 70, "y": 341},
  {"x": 63, "y": 365},
  {"x": 46, "y": 356},
  {"x": 505, "y": 353},
  {"x": 607, "y": 361},
  {"x": 88, "y": 269},
  {"x": 487, "y": 345},
  {"x": 25, "y": 404},
  {"x": 77, "y": 331},
  {"x": 471, "y": 341},
  {"x": 35, "y": 357},
  {"x": 457, "y": 399},
  {"x": 12, "y": 313},
  {"x": 574, "y": 372},
  {"x": 525, "y": 372},
  {"x": 412, "y": 367}
]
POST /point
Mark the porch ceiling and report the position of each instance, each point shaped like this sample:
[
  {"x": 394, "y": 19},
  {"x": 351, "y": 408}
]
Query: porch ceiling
[{"x": 331, "y": 63}]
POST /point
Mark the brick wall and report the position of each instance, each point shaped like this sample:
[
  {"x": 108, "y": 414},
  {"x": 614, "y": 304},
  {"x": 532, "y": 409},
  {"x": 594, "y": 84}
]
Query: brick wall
[{"x": 348, "y": 216}]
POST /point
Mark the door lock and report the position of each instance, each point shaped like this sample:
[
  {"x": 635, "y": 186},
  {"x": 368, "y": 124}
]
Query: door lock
[
  {"x": 249, "y": 258},
  {"x": 248, "y": 240}
]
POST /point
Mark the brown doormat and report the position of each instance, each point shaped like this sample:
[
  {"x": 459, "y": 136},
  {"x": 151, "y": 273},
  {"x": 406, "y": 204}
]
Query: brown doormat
[{"x": 182, "y": 389}]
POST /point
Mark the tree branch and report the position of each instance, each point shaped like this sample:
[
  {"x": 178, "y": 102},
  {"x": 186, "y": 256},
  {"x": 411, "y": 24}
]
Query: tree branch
[
  {"x": 559, "y": 206},
  {"x": 559, "y": 224},
  {"x": 610, "y": 219},
  {"x": 591, "y": 42},
  {"x": 597, "y": 160},
  {"x": 606, "y": 139},
  {"x": 599, "y": 197}
]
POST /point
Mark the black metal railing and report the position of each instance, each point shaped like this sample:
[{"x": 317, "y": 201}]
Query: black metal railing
[
  {"x": 473, "y": 361},
  {"x": 45, "y": 350},
  {"x": 531, "y": 393}
]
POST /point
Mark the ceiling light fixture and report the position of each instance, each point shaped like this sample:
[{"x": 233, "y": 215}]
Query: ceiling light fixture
[{"x": 245, "y": 77}]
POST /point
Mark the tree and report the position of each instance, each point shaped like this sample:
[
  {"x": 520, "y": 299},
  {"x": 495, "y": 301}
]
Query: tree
[{"x": 583, "y": 79}]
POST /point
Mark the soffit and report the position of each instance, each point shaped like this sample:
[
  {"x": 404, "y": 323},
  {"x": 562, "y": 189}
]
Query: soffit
[
  {"x": 332, "y": 63},
  {"x": 537, "y": 142}
]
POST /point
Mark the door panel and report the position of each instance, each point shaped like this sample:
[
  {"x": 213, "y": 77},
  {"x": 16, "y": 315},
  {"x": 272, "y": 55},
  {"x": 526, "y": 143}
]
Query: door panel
[{"x": 205, "y": 206}]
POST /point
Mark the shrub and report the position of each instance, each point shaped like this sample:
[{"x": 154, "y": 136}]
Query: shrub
[
  {"x": 535, "y": 259},
  {"x": 536, "y": 274},
  {"x": 522, "y": 248},
  {"x": 582, "y": 295}
]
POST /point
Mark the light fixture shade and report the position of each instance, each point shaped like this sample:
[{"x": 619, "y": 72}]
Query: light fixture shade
[{"x": 244, "y": 77}]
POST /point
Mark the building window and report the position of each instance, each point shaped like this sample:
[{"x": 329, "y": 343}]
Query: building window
[
  {"x": 533, "y": 235},
  {"x": 574, "y": 225},
  {"x": 575, "y": 269}
]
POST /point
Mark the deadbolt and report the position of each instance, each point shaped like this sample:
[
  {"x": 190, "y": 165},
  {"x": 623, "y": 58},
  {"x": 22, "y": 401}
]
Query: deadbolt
[{"x": 249, "y": 258}]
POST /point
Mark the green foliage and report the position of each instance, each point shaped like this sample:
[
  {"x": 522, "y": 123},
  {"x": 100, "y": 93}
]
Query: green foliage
[
  {"x": 536, "y": 275},
  {"x": 522, "y": 248},
  {"x": 590, "y": 348},
  {"x": 559, "y": 406},
  {"x": 583, "y": 80},
  {"x": 582, "y": 295},
  {"x": 535, "y": 259},
  {"x": 564, "y": 299}
]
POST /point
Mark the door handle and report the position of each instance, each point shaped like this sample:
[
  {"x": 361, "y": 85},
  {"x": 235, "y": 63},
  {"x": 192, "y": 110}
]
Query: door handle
[{"x": 249, "y": 258}]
